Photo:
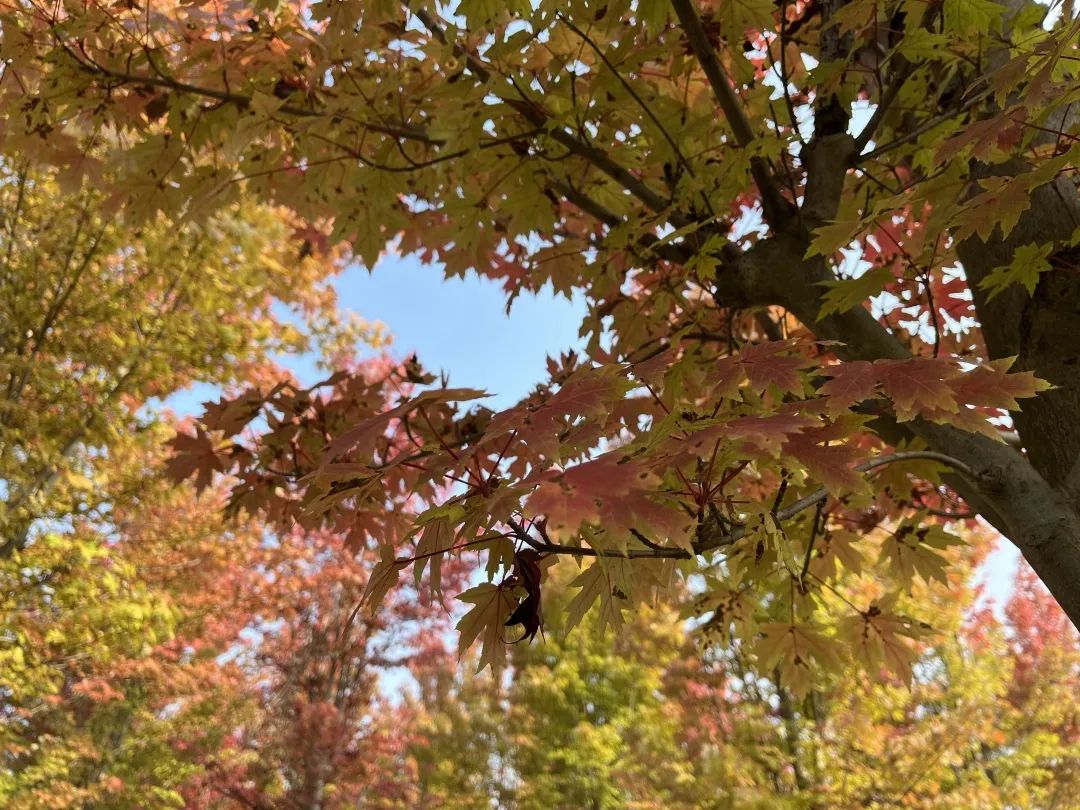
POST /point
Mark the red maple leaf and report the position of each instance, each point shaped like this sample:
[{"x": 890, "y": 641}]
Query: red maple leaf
[
  {"x": 767, "y": 364},
  {"x": 767, "y": 433},
  {"x": 916, "y": 385},
  {"x": 194, "y": 456},
  {"x": 610, "y": 494},
  {"x": 851, "y": 382},
  {"x": 829, "y": 464},
  {"x": 230, "y": 416},
  {"x": 991, "y": 386}
]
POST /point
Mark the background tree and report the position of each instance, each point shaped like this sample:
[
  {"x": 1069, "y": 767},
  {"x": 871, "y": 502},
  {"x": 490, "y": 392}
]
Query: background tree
[
  {"x": 128, "y": 604},
  {"x": 777, "y": 215},
  {"x": 661, "y": 716},
  {"x": 112, "y": 690},
  {"x": 99, "y": 318},
  {"x": 326, "y": 729}
]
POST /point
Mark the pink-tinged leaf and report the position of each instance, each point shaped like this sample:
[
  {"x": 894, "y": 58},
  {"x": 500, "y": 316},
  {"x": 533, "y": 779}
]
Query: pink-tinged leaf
[
  {"x": 589, "y": 393},
  {"x": 766, "y": 434},
  {"x": 850, "y": 382},
  {"x": 917, "y": 385},
  {"x": 991, "y": 386},
  {"x": 362, "y": 437},
  {"x": 724, "y": 377},
  {"x": 769, "y": 364},
  {"x": 616, "y": 497},
  {"x": 652, "y": 371},
  {"x": 230, "y": 416},
  {"x": 829, "y": 464},
  {"x": 194, "y": 456}
]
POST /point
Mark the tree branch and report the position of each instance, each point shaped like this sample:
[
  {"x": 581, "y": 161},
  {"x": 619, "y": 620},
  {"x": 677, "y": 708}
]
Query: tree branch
[
  {"x": 821, "y": 495},
  {"x": 727, "y": 538},
  {"x": 776, "y": 207},
  {"x": 714, "y": 71},
  {"x": 532, "y": 113}
]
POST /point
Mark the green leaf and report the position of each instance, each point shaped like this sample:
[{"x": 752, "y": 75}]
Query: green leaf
[
  {"x": 851, "y": 292},
  {"x": 973, "y": 16},
  {"x": 1029, "y": 262},
  {"x": 830, "y": 238},
  {"x": 591, "y": 582},
  {"x": 384, "y": 576}
]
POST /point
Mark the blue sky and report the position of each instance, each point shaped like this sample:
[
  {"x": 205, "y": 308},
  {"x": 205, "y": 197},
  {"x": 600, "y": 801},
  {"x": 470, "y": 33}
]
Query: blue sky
[{"x": 461, "y": 325}]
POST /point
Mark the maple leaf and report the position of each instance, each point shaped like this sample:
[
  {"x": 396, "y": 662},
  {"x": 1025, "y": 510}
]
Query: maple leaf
[
  {"x": 599, "y": 582},
  {"x": 836, "y": 546},
  {"x": 587, "y": 393},
  {"x": 651, "y": 371},
  {"x": 436, "y": 537},
  {"x": 1008, "y": 198},
  {"x": 910, "y": 551},
  {"x": 827, "y": 457},
  {"x": 799, "y": 652},
  {"x": 765, "y": 434},
  {"x": 361, "y": 438},
  {"x": 230, "y": 416},
  {"x": 847, "y": 293},
  {"x": 989, "y": 385},
  {"x": 973, "y": 16},
  {"x": 485, "y": 620},
  {"x": 1029, "y": 262},
  {"x": 850, "y": 382},
  {"x": 195, "y": 455},
  {"x": 917, "y": 385},
  {"x": 613, "y": 494},
  {"x": 724, "y": 377},
  {"x": 765, "y": 532},
  {"x": 384, "y": 576},
  {"x": 768, "y": 364},
  {"x": 881, "y": 637},
  {"x": 828, "y": 239}
]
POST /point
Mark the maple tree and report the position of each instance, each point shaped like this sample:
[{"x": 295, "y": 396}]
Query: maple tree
[
  {"x": 111, "y": 687},
  {"x": 777, "y": 213},
  {"x": 320, "y": 732}
]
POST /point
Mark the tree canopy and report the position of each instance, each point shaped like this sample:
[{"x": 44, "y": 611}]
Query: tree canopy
[{"x": 827, "y": 248}]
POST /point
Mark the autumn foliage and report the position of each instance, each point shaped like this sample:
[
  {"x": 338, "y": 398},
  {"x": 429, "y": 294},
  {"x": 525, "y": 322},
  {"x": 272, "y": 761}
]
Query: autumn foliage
[{"x": 722, "y": 555}]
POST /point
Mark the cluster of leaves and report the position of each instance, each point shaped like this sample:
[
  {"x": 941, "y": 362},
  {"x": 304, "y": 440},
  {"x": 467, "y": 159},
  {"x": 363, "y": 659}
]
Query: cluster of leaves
[
  {"x": 581, "y": 146},
  {"x": 644, "y": 719},
  {"x": 674, "y": 496}
]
